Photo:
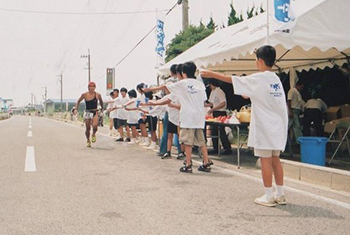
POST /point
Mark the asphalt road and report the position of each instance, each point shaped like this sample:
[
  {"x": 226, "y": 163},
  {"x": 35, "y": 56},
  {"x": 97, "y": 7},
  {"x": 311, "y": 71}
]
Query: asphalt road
[{"x": 116, "y": 188}]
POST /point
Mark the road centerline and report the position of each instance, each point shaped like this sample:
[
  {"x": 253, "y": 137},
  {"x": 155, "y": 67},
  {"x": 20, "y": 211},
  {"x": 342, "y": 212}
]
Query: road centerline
[
  {"x": 30, "y": 160},
  {"x": 30, "y": 134}
]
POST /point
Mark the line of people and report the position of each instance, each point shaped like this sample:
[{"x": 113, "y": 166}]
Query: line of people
[{"x": 184, "y": 104}]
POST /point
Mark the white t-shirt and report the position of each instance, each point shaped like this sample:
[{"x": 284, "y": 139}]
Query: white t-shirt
[
  {"x": 122, "y": 113},
  {"x": 114, "y": 113},
  {"x": 269, "y": 118},
  {"x": 316, "y": 104},
  {"x": 191, "y": 95},
  {"x": 216, "y": 97},
  {"x": 133, "y": 116},
  {"x": 295, "y": 98},
  {"x": 174, "y": 113},
  {"x": 158, "y": 110}
]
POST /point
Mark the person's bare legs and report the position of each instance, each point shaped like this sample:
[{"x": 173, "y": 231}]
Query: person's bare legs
[
  {"x": 143, "y": 130},
  {"x": 170, "y": 142},
  {"x": 120, "y": 130},
  {"x": 188, "y": 151},
  {"x": 94, "y": 124},
  {"x": 110, "y": 125},
  {"x": 266, "y": 171},
  {"x": 205, "y": 154},
  {"x": 127, "y": 131},
  {"x": 153, "y": 136},
  {"x": 134, "y": 132},
  {"x": 88, "y": 128},
  {"x": 277, "y": 170}
]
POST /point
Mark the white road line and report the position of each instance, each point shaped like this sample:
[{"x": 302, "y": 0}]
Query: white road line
[
  {"x": 30, "y": 134},
  {"x": 30, "y": 160},
  {"x": 30, "y": 126},
  {"x": 243, "y": 175}
]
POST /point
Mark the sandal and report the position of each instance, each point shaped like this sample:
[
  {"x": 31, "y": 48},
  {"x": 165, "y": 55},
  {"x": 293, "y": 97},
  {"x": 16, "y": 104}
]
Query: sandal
[
  {"x": 186, "y": 162},
  {"x": 186, "y": 169},
  {"x": 209, "y": 163},
  {"x": 205, "y": 168}
]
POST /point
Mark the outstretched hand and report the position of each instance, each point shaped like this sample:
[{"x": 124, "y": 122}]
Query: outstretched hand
[{"x": 206, "y": 73}]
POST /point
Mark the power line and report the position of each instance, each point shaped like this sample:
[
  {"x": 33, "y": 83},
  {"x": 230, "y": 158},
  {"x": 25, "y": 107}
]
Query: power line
[
  {"x": 126, "y": 56},
  {"x": 79, "y": 13}
]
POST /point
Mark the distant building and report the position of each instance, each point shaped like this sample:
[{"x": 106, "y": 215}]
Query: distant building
[
  {"x": 5, "y": 104},
  {"x": 54, "y": 105}
]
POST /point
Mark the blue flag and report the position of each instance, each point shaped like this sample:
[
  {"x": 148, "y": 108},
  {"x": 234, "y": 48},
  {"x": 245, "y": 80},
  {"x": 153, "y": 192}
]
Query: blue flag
[
  {"x": 160, "y": 38},
  {"x": 282, "y": 10}
]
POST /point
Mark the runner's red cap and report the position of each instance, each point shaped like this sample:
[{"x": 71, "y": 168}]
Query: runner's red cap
[{"x": 92, "y": 84}]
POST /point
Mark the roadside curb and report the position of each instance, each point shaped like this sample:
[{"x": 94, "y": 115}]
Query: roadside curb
[{"x": 324, "y": 176}]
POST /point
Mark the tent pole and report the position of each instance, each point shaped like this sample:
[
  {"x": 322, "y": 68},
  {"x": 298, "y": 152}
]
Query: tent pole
[{"x": 267, "y": 23}]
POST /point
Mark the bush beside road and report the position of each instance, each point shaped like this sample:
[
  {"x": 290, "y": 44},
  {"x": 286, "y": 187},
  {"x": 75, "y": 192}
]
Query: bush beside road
[{"x": 4, "y": 116}]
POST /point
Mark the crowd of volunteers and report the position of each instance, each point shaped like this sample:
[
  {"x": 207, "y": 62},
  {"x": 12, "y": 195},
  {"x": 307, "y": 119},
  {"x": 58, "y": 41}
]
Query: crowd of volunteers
[{"x": 182, "y": 104}]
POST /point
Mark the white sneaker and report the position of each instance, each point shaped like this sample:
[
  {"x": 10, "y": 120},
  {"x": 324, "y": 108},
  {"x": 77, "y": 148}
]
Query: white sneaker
[
  {"x": 145, "y": 143},
  {"x": 152, "y": 146},
  {"x": 132, "y": 141},
  {"x": 265, "y": 201},
  {"x": 281, "y": 200}
]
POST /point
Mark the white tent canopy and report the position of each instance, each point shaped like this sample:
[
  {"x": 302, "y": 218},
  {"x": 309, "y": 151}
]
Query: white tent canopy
[{"x": 319, "y": 37}]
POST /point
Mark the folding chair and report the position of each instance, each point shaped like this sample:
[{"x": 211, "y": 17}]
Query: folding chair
[{"x": 332, "y": 138}]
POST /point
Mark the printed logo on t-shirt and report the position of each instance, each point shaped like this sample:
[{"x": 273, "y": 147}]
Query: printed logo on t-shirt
[
  {"x": 276, "y": 90},
  {"x": 191, "y": 90}
]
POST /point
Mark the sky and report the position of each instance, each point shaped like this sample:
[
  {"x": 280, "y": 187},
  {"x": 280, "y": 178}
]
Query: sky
[{"x": 36, "y": 47}]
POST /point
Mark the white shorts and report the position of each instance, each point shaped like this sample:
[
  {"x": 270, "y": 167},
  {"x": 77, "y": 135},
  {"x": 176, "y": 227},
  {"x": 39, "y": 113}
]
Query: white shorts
[{"x": 266, "y": 153}]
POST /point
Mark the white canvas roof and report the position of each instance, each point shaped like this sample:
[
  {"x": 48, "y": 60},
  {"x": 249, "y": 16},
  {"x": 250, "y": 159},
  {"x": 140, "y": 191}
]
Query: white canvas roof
[{"x": 320, "y": 37}]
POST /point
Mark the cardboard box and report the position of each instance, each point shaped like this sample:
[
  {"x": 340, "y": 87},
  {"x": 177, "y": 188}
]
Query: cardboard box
[
  {"x": 330, "y": 126},
  {"x": 345, "y": 110},
  {"x": 332, "y": 113}
]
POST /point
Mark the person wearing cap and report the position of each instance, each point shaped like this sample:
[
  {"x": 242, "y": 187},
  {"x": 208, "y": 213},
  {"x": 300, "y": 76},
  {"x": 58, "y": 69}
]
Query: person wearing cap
[
  {"x": 91, "y": 112},
  {"x": 218, "y": 104}
]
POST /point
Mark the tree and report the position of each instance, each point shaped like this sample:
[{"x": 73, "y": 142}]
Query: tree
[
  {"x": 186, "y": 39},
  {"x": 211, "y": 24},
  {"x": 250, "y": 13},
  {"x": 232, "y": 18}
]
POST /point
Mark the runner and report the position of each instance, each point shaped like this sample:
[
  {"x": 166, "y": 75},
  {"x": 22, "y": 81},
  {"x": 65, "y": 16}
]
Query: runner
[{"x": 91, "y": 112}]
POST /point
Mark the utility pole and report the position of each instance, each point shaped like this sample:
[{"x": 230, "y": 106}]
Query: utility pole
[
  {"x": 61, "y": 81},
  {"x": 89, "y": 64},
  {"x": 45, "y": 98},
  {"x": 184, "y": 14}
]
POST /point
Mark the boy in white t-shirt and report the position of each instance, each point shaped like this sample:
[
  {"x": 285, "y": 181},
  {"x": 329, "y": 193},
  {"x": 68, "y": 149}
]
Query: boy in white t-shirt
[
  {"x": 192, "y": 96},
  {"x": 269, "y": 120}
]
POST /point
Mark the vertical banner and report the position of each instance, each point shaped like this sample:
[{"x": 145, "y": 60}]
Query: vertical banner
[
  {"x": 283, "y": 19},
  {"x": 160, "y": 49},
  {"x": 110, "y": 77}
]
